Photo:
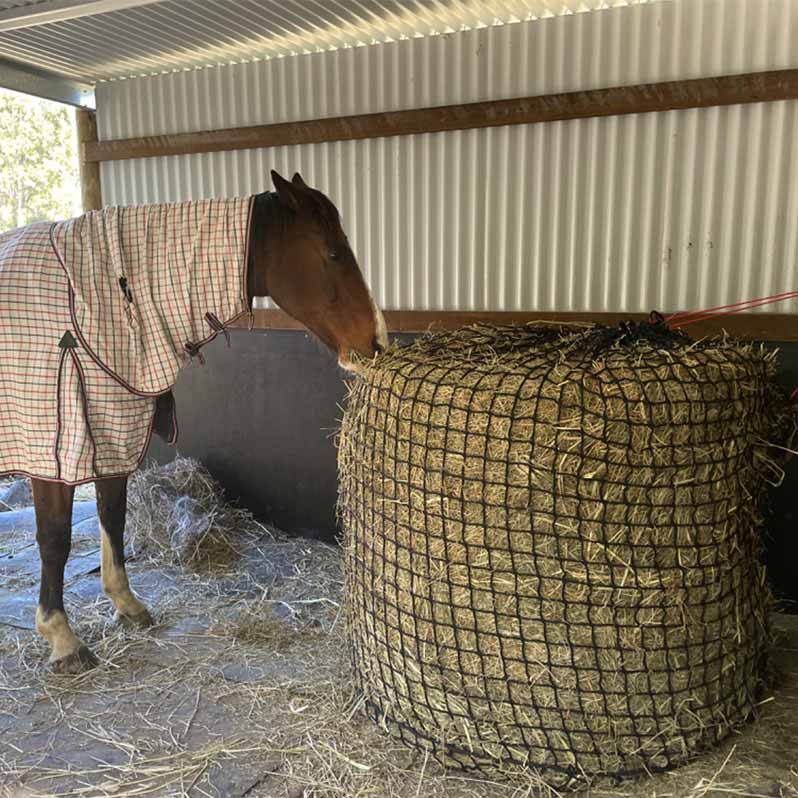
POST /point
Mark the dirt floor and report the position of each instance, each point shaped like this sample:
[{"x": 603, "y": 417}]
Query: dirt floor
[{"x": 244, "y": 688}]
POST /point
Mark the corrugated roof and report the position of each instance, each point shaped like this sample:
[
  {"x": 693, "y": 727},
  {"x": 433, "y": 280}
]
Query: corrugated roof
[{"x": 164, "y": 35}]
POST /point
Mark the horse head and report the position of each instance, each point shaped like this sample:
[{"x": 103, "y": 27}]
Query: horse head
[{"x": 301, "y": 258}]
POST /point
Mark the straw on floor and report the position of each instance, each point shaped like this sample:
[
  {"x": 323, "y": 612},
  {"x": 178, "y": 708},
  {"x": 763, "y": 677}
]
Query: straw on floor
[
  {"x": 552, "y": 544},
  {"x": 178, "y": 514}
]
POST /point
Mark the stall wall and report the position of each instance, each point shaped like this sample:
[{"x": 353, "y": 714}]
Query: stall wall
[
  {"x": 674, "y": 210},
  {"x": 263, "y": 416},
  {"x": 671, "y": 210}
]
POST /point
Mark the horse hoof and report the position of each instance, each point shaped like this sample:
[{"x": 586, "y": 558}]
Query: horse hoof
[
  {"x": 142, "y": 620},
  {"x": 76, "y": 662}
]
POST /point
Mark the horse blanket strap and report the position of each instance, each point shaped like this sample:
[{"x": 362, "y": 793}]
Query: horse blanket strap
[
  {"x": 144, "y": 278},
  {"x": 97, "y": 316}
]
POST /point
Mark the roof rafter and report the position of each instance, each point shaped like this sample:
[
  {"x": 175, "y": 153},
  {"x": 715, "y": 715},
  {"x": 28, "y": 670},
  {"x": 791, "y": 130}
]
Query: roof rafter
[{"x": 28, "y": 80}]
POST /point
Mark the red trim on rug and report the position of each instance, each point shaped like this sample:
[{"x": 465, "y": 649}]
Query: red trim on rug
[
  {"x": 195, "y": 345},
  {"x": 175, "y": 427},
  {"x": 136, "y": 467},
  {"x": 85, "y": 407},
  {"x": 57, "y": 441}
]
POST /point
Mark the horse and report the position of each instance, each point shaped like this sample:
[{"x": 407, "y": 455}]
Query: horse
[{"x": 298, "y": 254}]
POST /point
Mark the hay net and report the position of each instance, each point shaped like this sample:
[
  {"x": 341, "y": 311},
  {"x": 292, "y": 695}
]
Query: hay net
[{"x": 552, "y": 543}]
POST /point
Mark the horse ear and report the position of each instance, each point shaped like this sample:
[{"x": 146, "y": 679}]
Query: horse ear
[
  {"x": 285, "y": 190},
  {"x": 298, "y": 181}
]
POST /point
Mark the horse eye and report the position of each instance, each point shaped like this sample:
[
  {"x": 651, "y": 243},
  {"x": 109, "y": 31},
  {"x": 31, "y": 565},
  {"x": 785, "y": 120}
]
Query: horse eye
[{"x": 334, "y": 255}]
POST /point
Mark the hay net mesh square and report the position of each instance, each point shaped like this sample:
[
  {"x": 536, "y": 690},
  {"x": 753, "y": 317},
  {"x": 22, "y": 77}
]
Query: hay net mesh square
[{"x": 552, "y": 544}]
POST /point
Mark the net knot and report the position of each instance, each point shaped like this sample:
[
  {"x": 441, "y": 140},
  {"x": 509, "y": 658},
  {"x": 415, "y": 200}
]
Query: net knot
[{"x": 629, "y": 333}]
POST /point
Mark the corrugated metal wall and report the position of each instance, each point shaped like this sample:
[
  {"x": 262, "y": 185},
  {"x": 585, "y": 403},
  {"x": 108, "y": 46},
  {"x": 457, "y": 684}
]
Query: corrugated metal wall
[{"x": 676, "y": 210}]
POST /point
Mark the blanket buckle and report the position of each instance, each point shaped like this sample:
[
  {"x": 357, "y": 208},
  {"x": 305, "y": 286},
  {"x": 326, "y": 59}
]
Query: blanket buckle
[{"x": 217, "y": 326}]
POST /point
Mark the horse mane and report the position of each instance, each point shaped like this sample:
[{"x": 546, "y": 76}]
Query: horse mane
[
  {"x": 270, "y": 214},
  {"x": 271, "y": 218}
]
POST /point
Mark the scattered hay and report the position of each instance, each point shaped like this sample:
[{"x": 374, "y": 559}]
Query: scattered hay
[
  {"x": 553, "y": 545},
  {"x": 259, "y": 624},
  {"x": 254, "y": 626},
  {"x": 193, "y": 708},
  {"x": 178, "y": 513}
]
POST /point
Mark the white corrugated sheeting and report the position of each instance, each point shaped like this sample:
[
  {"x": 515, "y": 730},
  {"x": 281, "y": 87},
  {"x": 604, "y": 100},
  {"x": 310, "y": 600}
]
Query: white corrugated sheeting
[
  {"x": 683, "y": 209},
  {"x": 161, "y": 35}
]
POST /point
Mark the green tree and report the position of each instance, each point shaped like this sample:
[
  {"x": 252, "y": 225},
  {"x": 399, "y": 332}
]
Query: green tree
[{"x": 38, "y": 161}]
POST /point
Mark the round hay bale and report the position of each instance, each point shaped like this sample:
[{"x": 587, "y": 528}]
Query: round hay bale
[{"x": 552, "y": 542}]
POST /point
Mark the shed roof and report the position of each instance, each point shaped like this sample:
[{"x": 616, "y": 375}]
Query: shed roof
[{"x": 61, "y": 48}]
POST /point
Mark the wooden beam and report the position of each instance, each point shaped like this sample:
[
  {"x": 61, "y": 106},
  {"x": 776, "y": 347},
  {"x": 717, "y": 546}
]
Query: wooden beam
[
  {"x": 673, "y": 95},
  {"x": 90, "y": 189},
  {"x": 747, "y": 326}
]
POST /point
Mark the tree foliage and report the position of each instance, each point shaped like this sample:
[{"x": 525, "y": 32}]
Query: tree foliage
[{"x": 38, "y": 161}]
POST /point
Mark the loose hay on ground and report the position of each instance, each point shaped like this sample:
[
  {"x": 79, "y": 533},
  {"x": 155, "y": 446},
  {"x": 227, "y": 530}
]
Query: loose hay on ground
[
  {"x": 179, "y": 513},
  {"x": 553, "y": 544}
]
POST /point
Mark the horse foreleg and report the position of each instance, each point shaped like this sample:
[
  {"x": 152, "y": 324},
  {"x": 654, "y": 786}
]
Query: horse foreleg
[
  {"x": 53, "y": 506},
  {"x": 111, "y": 509}
]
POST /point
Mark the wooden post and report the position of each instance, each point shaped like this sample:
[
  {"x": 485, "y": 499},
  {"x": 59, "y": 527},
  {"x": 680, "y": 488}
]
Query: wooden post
[{"x": 90, "y": 189}]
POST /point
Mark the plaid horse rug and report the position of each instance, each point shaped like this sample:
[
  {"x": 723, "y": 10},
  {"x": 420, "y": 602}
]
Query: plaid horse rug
[{"x": 97, "y": 316}]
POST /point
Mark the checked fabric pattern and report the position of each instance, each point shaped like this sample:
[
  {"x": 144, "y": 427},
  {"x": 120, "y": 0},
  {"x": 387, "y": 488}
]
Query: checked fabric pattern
[{"x": 97, "y": 316}]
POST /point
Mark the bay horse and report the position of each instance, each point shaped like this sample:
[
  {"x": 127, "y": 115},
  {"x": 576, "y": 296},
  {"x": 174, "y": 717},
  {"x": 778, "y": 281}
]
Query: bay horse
[{"x": 299, "y": 255}]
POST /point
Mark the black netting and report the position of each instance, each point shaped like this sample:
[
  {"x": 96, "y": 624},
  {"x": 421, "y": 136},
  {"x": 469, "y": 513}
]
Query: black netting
[{"x": 552, "y": 542}]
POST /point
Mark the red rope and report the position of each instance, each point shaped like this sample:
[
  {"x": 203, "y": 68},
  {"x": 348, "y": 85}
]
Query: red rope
[{"x": 692, "y": 316}]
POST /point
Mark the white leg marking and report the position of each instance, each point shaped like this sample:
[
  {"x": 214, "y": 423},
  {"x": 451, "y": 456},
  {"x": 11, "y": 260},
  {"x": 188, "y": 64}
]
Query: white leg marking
[
  {"x": 55, "y": 629},
  {"x": 114, "y": 580}
]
